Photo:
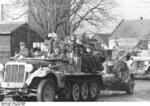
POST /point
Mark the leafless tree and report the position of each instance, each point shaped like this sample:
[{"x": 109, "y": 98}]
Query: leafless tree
[
  {"x": 69, "y": 15},
  {"x": 94, "y": 12}
]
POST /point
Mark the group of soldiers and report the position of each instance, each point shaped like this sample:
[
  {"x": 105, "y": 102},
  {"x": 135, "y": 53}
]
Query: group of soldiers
[
  {"x": 36, "y": 52},
  {"x": 76, "y": 52}
]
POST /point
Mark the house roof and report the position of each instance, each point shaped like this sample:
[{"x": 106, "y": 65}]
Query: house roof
[
  {"x": 101, "y": 38},
  {"x": 22, "y": 28},
  {"x": 132, "y": 29},
  {"x": 8, "y": 28}
]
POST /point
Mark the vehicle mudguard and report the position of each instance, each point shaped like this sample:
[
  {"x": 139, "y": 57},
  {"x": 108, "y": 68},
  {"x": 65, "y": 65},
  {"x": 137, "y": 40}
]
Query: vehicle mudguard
[
  {"x": 46, "y": 72},
  {"x": 41, "y": 72}
]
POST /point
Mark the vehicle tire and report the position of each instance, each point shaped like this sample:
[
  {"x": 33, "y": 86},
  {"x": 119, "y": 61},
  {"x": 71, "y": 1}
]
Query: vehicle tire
[
  {"x": 130, "y": 87},
  {"x": 84, "y": 92},
  {"x": 94, "y": 90},
  {"x": 46, "y": 91},
  {"x": 1, "y": 98},
  {"x": 75, "y": 92}
]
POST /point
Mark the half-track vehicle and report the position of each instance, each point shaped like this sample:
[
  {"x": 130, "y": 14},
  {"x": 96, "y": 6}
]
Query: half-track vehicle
[{"x": 46, "y": 81}]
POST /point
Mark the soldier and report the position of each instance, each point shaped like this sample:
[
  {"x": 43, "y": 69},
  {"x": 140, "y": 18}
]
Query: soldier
[
  {"x": 56, "y": 40},
  {"x": 37, "y": 53},
  {"x": 49, "y": 43},
  {"x": 57, "y": 54},
  {"x": 72, "y": 43},
  {"x": 23, "y": 50}
]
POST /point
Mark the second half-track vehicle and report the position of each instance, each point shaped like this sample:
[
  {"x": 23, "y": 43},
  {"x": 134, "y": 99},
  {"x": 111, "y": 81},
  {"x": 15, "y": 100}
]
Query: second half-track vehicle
[{"x": 43, "y": 80}]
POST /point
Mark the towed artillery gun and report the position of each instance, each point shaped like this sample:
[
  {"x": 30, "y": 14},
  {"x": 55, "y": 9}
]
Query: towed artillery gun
[
  {"x": 118, "y": 75},
  {"x": 46, "y": 81}
]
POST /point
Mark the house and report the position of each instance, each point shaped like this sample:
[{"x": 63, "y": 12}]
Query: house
[
  {"x": 16, "y": 11},
  {"x": 102, "y": 40},
  {"x": 17, "y": 25},
  {"x": 129, "y": 33},
  {"x": 11, "y": 35}
]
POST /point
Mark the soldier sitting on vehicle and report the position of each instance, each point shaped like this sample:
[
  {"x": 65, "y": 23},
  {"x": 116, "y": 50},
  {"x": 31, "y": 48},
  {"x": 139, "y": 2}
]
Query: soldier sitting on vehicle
[
  {"x": 37, "y": 53},
  {"x": 24, "y": 52},
  {"x": 57, "y": 53},
  {"x": 70, "y": 59}
]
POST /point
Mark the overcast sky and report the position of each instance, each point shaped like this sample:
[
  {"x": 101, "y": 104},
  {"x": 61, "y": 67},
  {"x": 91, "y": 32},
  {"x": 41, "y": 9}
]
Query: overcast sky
[
  {"x": 133, "y": 9},
  {"x": 127, "y": 9}
]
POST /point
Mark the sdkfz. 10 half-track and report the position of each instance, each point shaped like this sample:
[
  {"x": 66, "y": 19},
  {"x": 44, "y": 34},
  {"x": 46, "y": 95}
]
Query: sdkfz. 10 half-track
[{"x": 37, "y": 78}]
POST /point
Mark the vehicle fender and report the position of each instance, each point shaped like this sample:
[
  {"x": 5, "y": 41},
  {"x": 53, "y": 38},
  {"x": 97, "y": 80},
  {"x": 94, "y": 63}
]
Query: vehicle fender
[
  {"x": 41, "y": 72},
  {"x": 46, "y": 72}
]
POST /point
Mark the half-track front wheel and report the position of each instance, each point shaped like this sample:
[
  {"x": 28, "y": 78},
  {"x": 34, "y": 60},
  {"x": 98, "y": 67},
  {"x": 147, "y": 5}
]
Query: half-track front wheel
[{"x": 46, "y": 91}]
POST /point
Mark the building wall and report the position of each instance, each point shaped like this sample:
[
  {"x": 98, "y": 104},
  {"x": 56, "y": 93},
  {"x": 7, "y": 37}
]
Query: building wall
[
  {"x": 15, "y": 11},
  {"x": 5, "y": 48},
  {"x": 123, "y": 42}
]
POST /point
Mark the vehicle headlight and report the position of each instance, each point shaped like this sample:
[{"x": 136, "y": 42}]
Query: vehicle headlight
[
  {"x": 1, "y": 67},
  {"x": 29, "y": 68}
]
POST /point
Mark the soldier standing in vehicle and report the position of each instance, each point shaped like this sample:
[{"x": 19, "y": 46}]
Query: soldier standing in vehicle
[
  {"x": 24, "y": 52},
  {"x": 52, "y": 42},
  {"x": 49, "y": 43},
  {"x": 56, "y": 40}
]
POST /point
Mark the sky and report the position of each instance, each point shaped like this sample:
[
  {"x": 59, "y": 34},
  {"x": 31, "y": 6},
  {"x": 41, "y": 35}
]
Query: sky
[
  {"x": 126, "y": 9},
  {"x": 133, "y": 9}
]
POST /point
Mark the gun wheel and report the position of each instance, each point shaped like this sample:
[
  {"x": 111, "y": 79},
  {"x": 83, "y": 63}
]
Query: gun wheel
[{"x": 94, "y": 90}]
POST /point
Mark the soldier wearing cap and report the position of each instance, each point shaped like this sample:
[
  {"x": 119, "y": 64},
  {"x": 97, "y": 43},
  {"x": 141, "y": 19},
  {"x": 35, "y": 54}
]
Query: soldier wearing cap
[{"x": 23, "y": 50}]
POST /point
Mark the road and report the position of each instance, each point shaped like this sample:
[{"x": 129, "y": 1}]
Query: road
[{"x": 142, "y": 93}]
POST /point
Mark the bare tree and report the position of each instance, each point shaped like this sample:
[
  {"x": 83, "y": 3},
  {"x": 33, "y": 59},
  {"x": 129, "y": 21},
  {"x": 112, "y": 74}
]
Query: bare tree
[
  {"x": 69, "y": 15},
  {"x": 94, "y": 12}
]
